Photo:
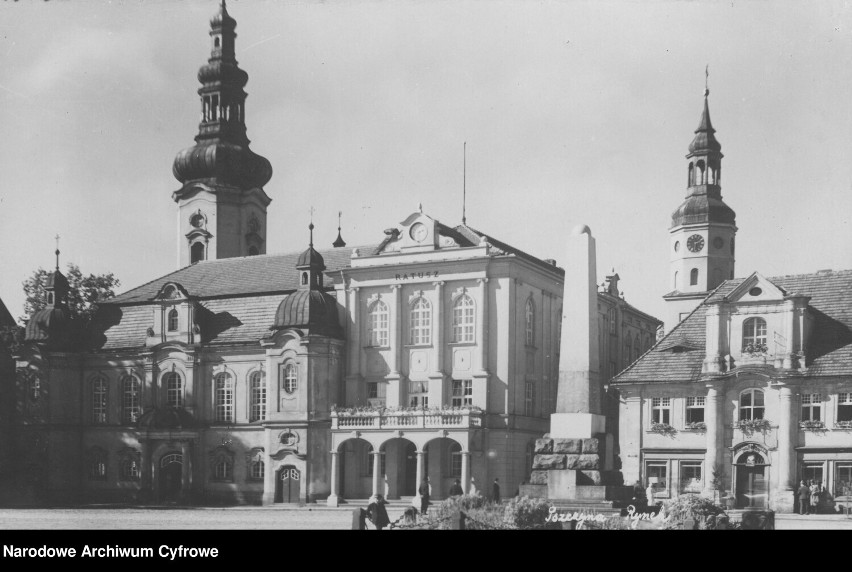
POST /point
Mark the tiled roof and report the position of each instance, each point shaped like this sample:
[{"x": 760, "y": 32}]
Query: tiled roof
[
  {"x": 473, "y": 236},
  {"x": 235, "y": 276},
  {"x": 225, "y": 320},
  {"x": 679, "y": 355}
]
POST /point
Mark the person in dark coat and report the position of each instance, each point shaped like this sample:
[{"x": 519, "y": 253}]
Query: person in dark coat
[
  {"x": 425, "y": 492},
  {"x": 804, "y": 498},
  {"x": 495, "y": 491},
  {"x": 377, "y": 513},
  {"x": 456, "y": 489}
]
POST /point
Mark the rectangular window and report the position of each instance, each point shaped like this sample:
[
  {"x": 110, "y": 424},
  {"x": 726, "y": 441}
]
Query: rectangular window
[
  {"x": 844, "y": 407},
  {"x": 376, "y": 393},
  {"x": 462, "y": 392},
  {"x": 843, "y": 480},
  {"x": 456, "y": 464},
  {"x": 418, "y": 394},
  {"x": 130, "y": 407},
  {"x": 813, "y": 473},
  {"x": 661, "y": 410},
  {"x": 99, "y": 401},
  {"x": 695, "y": 409},
  {"x": 657, "y": 472},
  {"x": 529, "y": 399},
  {"x": 811, "y": 407},
  {"x": 690, "y": 477},
  {"x": 257, "y": 387}
]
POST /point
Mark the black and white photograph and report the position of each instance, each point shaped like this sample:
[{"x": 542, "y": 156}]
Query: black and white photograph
[{"x": 423, "y": 265}]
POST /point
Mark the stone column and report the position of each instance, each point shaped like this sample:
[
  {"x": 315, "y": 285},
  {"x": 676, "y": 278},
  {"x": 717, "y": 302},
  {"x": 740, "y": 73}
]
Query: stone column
[
  {"x": 419, "y": 479},
  {"x": 465, "y": 471},
  {"x": 482, "y": 323},
  {"x": 395, "y": 319},
  {"x": 436, "y": 378},
  {"x": 714, "y": 421},
  {"x": 377, "y": 468},
  {"x": 333, "y": 498},
  {"x": 785, "y": 442},
  {"x": 186, "y": 468}
]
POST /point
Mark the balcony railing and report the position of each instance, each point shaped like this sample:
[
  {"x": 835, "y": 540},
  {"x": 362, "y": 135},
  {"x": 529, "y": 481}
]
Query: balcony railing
[{"x": 406, "y": 419}]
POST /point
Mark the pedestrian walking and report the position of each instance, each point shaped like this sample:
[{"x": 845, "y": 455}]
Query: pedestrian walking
[
  {"x": 377, "y": 513},
  {"x": 495, "y": 491}
]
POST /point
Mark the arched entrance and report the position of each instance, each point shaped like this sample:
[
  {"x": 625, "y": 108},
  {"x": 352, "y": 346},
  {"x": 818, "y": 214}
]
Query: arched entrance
[
  {"x": 399, "y": 468},
  {"x": 288, "y": 481},
  {"x": 444, "y": 465},
  {"x": 171, "y": 476},
  {"x": 751, "y": 478}
]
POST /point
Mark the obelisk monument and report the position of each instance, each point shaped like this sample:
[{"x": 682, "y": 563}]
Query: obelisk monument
[{"x": 574, "y": 462}]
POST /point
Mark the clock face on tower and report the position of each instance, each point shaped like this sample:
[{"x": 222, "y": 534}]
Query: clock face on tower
[
  {"x": 695, "y": 243},
  {"x": 418, "y": 232}
]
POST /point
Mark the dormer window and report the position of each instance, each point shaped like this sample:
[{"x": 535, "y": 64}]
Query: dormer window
[
  {"x": 754, "y": 335},
  {"x": 173, "y": 320}
]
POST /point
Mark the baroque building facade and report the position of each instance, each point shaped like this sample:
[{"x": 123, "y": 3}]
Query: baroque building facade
[
  {"x": 319, "y": 375},
  {"x": 750, "y": 391}
]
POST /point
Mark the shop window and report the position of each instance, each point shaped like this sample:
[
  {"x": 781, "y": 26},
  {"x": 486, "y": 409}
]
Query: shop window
[
  {"x": 657, "y": 472},
  {"x": 843, "y": 479},
  {"x": 691, "y": 480}
]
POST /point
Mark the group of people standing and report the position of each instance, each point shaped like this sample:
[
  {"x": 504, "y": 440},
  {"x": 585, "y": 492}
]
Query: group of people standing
[
  {"x": 809, "y": 493},
  {"x": 378, "y": 514}
]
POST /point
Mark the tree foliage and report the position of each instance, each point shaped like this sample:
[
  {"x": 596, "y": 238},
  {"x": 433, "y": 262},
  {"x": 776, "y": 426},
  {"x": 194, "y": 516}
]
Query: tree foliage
[{"x": 83, "y": 295}]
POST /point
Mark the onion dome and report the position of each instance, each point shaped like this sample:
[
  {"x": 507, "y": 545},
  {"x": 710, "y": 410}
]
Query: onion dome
[
  {"x": 166, "y": 418},
  {"x": 705, "y": 140},
  {"x": 311, "y": 258},
  {"x": 701, "y": 208},
  {"x": 312, "y": 310},
  {"x": 221, "y": 153},
  {"x": 52, "y": 326}
]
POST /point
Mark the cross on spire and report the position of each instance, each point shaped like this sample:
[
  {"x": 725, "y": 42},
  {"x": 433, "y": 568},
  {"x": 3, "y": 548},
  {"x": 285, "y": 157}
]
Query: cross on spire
[
  {"x": 311, "y": 227},
  {"x": 57, "y": 251},
  {"x": 706, "y": 80}
]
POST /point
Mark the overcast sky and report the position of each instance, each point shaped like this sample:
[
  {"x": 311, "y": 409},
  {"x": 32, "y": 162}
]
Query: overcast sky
[{"x": 573, "y": 112}]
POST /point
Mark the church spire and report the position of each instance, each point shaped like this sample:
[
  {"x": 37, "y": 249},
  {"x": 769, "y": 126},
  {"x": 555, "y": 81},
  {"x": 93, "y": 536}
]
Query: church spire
[{"x": 339, "y": 243}]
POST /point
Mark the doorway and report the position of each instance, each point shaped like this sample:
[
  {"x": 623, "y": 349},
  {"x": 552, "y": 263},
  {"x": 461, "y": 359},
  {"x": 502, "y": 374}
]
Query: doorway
[
  {"x": 751, "y": 481},
  {"x": 171, "y": 476},
  {"x": 287, "y": 484}
]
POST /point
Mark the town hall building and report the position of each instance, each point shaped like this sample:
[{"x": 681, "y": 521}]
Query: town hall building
[{"x": 319, "y": 375}]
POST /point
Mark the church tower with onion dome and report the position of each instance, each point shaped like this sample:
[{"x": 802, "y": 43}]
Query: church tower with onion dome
[
  {"x": 222, "y": 204},
  {"x": 701, "y": 236}
]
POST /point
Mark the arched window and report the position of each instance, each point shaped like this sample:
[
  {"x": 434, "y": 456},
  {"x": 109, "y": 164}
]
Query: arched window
[
  {"x": 290, "y": 379},
  {"x": 421, "y": 322},
  {"x": 257, "y": 470},
  {"x": 129, "y": 469},
  {"x": 690, "y": 177},
  {"x": 463, "y": 319},
  {"x": 701, "y": 174},
  {"x": 97, "y": 464},
  {"x": 224, "y": 397},
  {"x": 529, "y": 320},
  {"x": 675, "y": 280},
  {"x": 130, "y": 408},
  {"x": 693, "y": 277},
  {"x": 304, "y": 278},
  {"x": 196, "y": 252},
  {"x": 223, "y": 469},
  {"x": 257, "y": 396},
  {"x": 456, "y": 460},
  {"x": 173, "y": 320},
  {"x": 173, "y": 383},
  {"x": 754, "y": 335},
  {"x": 751, "y": 404},
  {"x": 99, "y": 400},
  {"x": 378, "y": 324}
]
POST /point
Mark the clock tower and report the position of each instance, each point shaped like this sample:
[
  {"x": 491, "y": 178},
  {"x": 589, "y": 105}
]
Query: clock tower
[
  {"x": 701, "y": 236},
  {"x": 222, "y": 204}
]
